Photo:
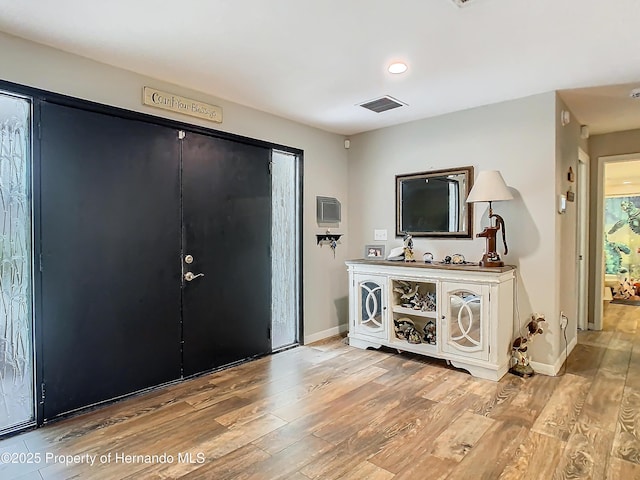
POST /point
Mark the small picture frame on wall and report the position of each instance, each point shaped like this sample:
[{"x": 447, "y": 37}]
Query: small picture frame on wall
[{"x": 374, "y": 252}]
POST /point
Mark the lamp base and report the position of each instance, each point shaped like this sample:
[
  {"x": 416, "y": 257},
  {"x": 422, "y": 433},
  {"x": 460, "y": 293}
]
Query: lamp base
[{"x": 491, "y": 259}]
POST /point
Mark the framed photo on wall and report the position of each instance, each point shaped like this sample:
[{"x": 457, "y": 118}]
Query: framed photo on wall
[{"x": 374, "y": 252}]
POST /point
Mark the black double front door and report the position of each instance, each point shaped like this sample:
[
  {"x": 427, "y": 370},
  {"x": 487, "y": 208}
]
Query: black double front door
[{"x": 122, "y": 204}]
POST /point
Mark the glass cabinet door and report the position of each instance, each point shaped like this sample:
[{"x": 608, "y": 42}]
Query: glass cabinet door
[
  {"x": 371, "y": 305},
  {"x": 465, "y": 319}
]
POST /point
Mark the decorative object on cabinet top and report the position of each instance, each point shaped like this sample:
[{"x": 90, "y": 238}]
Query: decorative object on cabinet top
[
  {"x": 435, "y": 265},
  {"x": 408, "y": 248},
  {"x": 490, "y": 187},
  {"x": 396, "y": 254},
  {"x": 458, "y": 259},
  {"x": 455, "y": 259}
]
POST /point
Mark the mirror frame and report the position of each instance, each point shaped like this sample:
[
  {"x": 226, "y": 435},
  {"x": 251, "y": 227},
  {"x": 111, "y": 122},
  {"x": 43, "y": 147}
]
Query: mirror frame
[{"x": 466, "y": 233}]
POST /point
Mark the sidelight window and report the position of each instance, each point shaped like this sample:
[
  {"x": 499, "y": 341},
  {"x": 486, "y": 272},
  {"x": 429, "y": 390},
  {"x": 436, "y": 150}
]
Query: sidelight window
[{"x": 16, "y": 349}]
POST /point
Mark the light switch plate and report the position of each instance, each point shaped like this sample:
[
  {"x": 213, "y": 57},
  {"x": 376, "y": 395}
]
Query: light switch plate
[{"x": 379, "y": 234}]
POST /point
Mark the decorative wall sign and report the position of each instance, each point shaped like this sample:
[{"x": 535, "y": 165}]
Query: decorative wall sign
[
  {"x": 571, "y": 197},
  {"x": 176, "y": 103}
]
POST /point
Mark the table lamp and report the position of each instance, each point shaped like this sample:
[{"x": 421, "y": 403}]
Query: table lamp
[{"x": 490, "y": 187}]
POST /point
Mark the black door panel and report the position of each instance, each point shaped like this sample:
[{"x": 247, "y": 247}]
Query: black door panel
[
  {"x": 110, "y": 242},
  {"x": 227, "y": 230}
]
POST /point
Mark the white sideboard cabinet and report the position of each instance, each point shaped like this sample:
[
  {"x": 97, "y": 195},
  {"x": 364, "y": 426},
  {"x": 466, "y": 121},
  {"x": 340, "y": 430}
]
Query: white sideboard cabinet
[{"x": 461, "y": 313}]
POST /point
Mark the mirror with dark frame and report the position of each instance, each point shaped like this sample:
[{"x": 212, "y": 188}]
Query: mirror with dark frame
[{"x": 433, "y": 204}]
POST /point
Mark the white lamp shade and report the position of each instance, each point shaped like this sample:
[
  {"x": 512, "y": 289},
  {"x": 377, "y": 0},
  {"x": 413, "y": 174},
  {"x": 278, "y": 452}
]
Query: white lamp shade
[{"x": 489, "y": 187}]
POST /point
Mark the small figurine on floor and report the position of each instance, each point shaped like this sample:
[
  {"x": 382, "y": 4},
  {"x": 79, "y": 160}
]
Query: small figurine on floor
[
  {"x": 520, "y": 360},
  {"x": 408, "y": 249}
]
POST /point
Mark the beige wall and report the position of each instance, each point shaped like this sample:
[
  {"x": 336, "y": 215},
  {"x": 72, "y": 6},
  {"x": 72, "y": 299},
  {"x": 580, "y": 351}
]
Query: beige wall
[
  {"x": 325, "y": 159},
  {"x": 617, "y": 143},
  {"x": 515, "y": 137},
  {"x": 567, "y": 143}
]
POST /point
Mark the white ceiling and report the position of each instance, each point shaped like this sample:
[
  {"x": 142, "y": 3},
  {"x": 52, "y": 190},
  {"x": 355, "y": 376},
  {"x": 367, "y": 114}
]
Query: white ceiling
[
  {"x": 622, "y": 175},
  {"x": 605, "y": 109},
  {"x": 314, "y": 61}
]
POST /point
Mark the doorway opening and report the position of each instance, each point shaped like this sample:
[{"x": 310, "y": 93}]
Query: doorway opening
[
  {"x": 617, "y": 233},
  {"x": 582, "y": 238}
]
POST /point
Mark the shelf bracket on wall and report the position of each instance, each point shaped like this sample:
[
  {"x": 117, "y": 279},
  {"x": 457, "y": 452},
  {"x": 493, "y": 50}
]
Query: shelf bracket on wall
[
  {"x": 330, "y": 239},
  {"x": 324, "y": 238}
]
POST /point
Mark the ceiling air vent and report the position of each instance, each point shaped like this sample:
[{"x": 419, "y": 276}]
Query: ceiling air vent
[
  {"x": 461, "y": 3},
  {"x": 382, "y": 104}
]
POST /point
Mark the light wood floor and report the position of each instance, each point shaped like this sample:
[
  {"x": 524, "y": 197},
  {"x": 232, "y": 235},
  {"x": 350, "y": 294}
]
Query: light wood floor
[{"x": 332, "y": 411}]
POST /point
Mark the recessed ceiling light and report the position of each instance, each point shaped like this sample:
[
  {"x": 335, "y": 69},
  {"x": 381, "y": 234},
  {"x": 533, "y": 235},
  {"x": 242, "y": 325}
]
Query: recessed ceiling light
[{"x": 398, "y": 67}]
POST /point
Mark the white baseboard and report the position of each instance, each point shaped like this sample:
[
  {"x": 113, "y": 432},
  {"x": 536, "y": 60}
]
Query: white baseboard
[
  {"x": 315, "y": 337},
  {"x": 552, "y": 370},
  {"x": 543, "y": 368}
]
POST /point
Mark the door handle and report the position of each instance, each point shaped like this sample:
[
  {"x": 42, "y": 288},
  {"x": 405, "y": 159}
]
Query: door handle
[{"x": 189, "y": 276}]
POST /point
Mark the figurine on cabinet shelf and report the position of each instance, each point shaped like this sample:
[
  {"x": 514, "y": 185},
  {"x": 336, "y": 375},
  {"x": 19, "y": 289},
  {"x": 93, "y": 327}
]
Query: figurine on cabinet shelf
[
  {"x": 430, "y": 332},
  {"x": 410, "y": 296},
  {"x": 426, "y": 302},
  {"x": 520, "y": 360},
  {"x": 408, "y": 248},
  {"x": 402, "y": 327},
  {"x": 407, "y": 291},
  {"x": 413, "y": 336},
  {"x": 419, "y": 302}
]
